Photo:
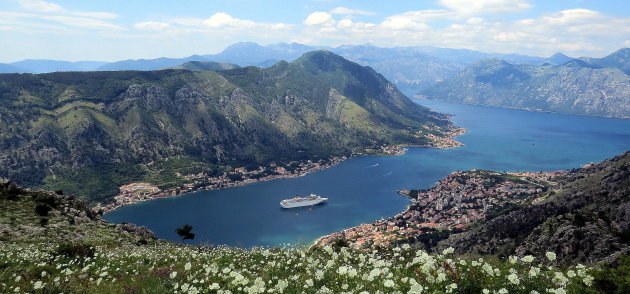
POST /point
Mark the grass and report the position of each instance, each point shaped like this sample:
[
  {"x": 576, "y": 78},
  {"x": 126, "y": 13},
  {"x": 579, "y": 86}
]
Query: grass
[{"x": 171, "y": 268}]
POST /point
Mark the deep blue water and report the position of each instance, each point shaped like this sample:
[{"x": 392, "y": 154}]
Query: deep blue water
[{"x": 363, "y": 189}]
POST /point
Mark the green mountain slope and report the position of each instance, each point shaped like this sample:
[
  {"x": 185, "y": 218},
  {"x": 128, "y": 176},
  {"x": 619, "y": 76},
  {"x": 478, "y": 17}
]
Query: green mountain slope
[
  {"x": 585, "y": 219},
  {"x": 88, "y": 132},
  {"x": 576, "y": 87}
]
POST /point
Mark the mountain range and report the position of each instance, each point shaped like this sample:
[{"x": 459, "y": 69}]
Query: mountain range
[
  {"x": 559, "y": 83},
  {"x": 592, "y": 86},
  {"x": 409, "y": 68},
  {"x": 89, "y": 132}
]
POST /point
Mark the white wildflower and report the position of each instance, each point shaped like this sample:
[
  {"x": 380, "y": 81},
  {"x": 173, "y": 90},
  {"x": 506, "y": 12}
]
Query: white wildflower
[
  {"x": 527, "y": 258},
  {"x": 319, "y": 274},
  {"x": 588, "y": 280},
  {"x": 450, "y": 288},
  {"x": 534, "y": 271},
  {"x": 38, "y": 285},
  {"x": 512, "y": 259},
  {"x": 342, "y": 270},
  {"x": 551, "y": 256},
  {"x": 415, "y": 289}
]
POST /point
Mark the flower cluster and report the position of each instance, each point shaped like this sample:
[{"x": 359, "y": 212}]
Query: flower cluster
[{"x": 182, "y": 269}]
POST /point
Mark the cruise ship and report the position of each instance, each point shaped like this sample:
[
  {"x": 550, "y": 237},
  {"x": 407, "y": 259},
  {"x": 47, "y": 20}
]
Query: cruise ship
[{"x": 298, "y": 201}]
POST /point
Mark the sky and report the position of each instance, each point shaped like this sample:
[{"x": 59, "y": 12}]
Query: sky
[{"x": 117, "y": 30}]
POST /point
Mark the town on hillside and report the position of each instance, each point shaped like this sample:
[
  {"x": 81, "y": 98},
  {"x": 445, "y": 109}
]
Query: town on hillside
[{"x": 452, "y": 205}]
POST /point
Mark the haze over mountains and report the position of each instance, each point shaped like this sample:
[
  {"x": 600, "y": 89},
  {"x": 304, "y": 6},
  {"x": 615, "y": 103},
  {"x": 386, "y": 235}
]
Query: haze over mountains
[
  {"x": 409, "y": 68},
  {"x": 592, "y": 86}
]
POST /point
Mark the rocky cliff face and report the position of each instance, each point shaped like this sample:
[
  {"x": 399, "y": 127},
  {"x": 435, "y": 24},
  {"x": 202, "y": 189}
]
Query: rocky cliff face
[
  {"x": 116, "y": 127},
  {"x": 586, "y": 219},
  {"x": 576, "y": 87}
]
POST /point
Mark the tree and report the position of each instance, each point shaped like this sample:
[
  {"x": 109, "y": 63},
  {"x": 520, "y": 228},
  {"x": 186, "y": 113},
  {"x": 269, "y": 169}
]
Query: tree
[
  {"x": 185, "y": 233},
  {"x": 413, "y": 194}
]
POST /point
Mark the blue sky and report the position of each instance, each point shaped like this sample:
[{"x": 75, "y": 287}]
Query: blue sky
[{"x": 115, "y": 29}]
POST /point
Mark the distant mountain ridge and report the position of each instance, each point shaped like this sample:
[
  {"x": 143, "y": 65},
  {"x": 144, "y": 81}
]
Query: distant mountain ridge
[
  {"x": 89, "y": 132},
  {"x": 44, "y": 66},
  {"x": 596, "y": 86},
  {"x": 619, "y": 60},
  {"x": 7, "y": 68},
  {"x": 409, "y": 68},
  {"x": 149, "y": 64},
  {"x": 206, "y": 65}
]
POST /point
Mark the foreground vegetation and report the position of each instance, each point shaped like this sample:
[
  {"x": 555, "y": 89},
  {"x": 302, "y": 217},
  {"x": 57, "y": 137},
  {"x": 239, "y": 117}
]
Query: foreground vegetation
[{"x": 169, "y": 268}]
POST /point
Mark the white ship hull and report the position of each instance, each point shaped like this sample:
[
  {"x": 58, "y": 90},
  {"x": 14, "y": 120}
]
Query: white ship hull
[{"x": 302, "y": 201}]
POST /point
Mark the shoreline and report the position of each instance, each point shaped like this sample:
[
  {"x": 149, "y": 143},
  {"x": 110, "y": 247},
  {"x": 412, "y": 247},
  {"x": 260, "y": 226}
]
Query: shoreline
[
  {"x": 213, "y": 183},
  {"x": 146, "y": 192},
  {"x": 131, "y": 196},
  {"x": 521, "y": 108}
]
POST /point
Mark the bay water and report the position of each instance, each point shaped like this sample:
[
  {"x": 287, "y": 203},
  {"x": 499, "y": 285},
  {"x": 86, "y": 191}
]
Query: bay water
[{"x": 363, "y": 189}]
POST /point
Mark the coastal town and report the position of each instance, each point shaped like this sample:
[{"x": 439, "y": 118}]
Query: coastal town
[
  {"x": 447, "y": 141},
  {"x": 452, "y": 205},
  {"x": 139, "y": 192}
]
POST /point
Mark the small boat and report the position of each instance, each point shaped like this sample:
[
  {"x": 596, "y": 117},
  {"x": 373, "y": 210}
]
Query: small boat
[{"x": 298, "y": 201}]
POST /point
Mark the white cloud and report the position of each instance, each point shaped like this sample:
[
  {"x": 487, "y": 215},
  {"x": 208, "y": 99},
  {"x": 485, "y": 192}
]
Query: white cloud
[
  {"x": 476, "y": 7},
  {"x": 152, "y": 25},
  {"x": 572, "y": 16},
  {"x": 574, "y": 31},
  {"x": 345, "y": 23},
  {"x": 423, "y": 16},
  {"x": 49, "y": 7},
  {"x": 349, "y": 11},
  {"x": 319, "y": 18},
  {"x": 222, "y": 19},
  {"x": 41, "y": 13},
  {"x": 474, "y": 21},
  {"x": 40, "y": 6},
  {"x": 219, "y": 20},
  {"x": 401, "y": 22},
  {"x": 83, "y": 22}
]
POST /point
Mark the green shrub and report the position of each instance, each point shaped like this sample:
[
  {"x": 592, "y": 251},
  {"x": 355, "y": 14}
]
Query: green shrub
[{"x": 42, "y": 209}]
